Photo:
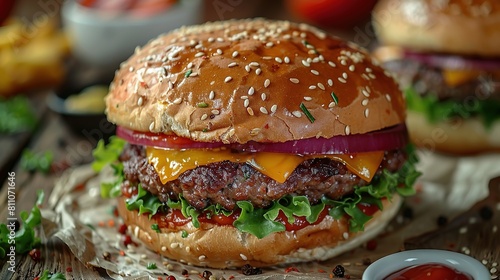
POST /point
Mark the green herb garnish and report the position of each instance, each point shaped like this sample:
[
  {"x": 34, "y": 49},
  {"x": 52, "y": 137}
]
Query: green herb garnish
[
  {"x": 155, "y": 227},
  {"x": 184, "y": 234},
  {"x": 188, "y": 73},
  {"x": 202, "y": 105},
  {"x": 151, "y": 266},
  {"x": 335, "y": 98},
  {"x": 32, "y": 162},
  {"x": 25, "y": 239},
  {"x": 307, "y": 113},
  {"x": 16, "y": 115},
  {"x": 46, "y": 275}
]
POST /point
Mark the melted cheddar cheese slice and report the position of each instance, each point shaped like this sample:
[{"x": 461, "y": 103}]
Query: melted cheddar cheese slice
[
  {"x": 454, "y": 77},
  {"x": 169, "y": 164}
]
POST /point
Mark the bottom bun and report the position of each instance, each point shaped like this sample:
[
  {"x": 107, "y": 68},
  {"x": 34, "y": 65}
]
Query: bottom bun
[
  {"x": 459, "y": 137},
  {"x": 226, "y": 247}
]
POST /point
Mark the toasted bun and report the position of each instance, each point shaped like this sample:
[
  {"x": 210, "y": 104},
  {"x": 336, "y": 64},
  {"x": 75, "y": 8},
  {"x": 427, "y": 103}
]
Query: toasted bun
[
  {"x": 462, "y": 137},
  {"x": 226, "y": 247},
  {"x": 243, "y": 80},
  {"x": 451, "y": 26}
]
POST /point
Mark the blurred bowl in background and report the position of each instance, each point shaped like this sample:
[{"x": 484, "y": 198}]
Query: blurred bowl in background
[
  {"x": 104, "y": 39},
  {"x": 91, "y": 124}
]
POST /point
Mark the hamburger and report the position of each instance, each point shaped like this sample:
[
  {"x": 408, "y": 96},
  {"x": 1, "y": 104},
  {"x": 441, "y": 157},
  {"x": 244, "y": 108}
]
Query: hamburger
[
  {"x": 447, "y": 60},
  {"x": 255, "y": 142}
]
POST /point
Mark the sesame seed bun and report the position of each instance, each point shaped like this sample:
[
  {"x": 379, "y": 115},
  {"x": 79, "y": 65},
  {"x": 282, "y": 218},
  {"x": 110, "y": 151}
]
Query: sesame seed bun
[
  {"x": 243, "y": 80},
  {"x": 226, "y": 247},
  {"x": 451, "y": 26}
]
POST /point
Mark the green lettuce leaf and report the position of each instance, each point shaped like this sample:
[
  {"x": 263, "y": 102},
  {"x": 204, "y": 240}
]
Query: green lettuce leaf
[
  {"x": 25, "y": 238},
  {"x": 144, "y": 202},
  {"x": 107, "y": 154},
  {"x": 437, "y": 111},
  {"x": 47, "y": 275}
]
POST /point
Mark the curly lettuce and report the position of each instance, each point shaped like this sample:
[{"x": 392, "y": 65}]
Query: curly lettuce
[{"x": 443, "y": 110}]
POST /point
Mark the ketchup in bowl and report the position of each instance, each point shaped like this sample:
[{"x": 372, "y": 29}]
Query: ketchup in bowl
[{"x": 430, "y": 271}]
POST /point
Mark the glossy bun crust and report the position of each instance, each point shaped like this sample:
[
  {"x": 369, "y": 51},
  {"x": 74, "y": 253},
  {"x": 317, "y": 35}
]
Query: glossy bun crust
[
  {"x": 451, "y": 26},
  {"x": 227, "y": 247},
  {"x": 242, "y": 80}
]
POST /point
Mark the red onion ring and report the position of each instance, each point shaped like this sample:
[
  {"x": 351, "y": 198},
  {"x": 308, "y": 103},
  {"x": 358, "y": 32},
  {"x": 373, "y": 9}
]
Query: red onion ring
[
  {"x": 454, "y": 61},
  {"x": 381, "y": 140}
]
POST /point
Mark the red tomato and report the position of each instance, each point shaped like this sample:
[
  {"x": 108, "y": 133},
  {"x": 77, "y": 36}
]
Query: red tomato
[
  {"x": 332, "y": 13},
  {"x": 428, "y": 272}
]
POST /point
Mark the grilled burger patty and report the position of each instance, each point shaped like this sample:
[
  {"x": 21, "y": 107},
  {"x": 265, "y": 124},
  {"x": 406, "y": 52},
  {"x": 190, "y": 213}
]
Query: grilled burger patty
[
  {"x": 426, "y": 79},
  {"x": 227, "y": 182}
]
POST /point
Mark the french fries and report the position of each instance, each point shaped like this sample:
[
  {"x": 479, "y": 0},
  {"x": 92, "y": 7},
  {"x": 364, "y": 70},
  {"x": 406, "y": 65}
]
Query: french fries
[{"x": 31, "y": 56}]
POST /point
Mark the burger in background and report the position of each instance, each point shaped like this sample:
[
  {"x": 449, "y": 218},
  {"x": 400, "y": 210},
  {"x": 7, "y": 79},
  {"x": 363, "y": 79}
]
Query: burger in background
[
  {"x": 446, "y": 56},
  {"x": 255, "y": 142}
]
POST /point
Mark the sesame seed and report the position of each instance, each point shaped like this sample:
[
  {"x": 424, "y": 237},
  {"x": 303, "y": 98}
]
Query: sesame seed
[
  {"x": 305, "y": 63},
  {"x": 347, "y": 130},
  {"x": 202, "y": 258},
  {"x": 331, "y": 105},
  {"x": 344, "y": 75},
  {"x": 228, "y": 79},
  {"x": 307, "y": 98},
  {"x": 269, "y": 44},
  {"x": 267, "y": 57},
  {"x": 372, "y": 76},
  {"x": 163, "y": 248},
  {"x": 177, "y": 101},
  {"x": 314, "y": 72},
  {"x": 368, "y": 70},
  {"x": 321, "y": 57},
  {"x": 131, "y": 69},
  {"x": 258, "y": 71},
  {"x": 365, "y": 93},
  {"x": 140, "y": 101},
  {"x": 263, "y": 96},
  {"x": 352, "y": 68},
  {"x": 279, "y": 60},
  {"x": 287, "y": 59},
  {"x": 364, "y": 76},
  {"x": 343, "y": 62},
  {"x": 199, "y": 54},
  {"x": 315, "y": 60},
  {"x": 211, "y": 39},
  {"x": 330, "y": 82},
  {"x": 243, "y": 257},
  {"x": 204, "y": 117},
  {"x": 190, "y": 65},
  {"x": 220, "y": 40},
  {"x": 244, "y": 97},
  {"x": 388, "y": 97},
  {"x": 246, "y": 103},
  {"x": 342, "y": 80},
  {"x": 294, "y": 80},
  {"x": 232, "y": 64},
  {"x": 321, "y": 86},
  {"x": 251, "y": 90},
  {"x": 193, "y": 74},
  {"x": 267, "y": 82},
  {"x": 367, "y": 111},
  {"x": 297, "y": 114},
  {"x": 211, "y": 95},
  {"x": 274, "y": 108},
  {"x": 312, "y": 87},
  {"x": 332, "y": 64},
  {"x": 219, "y": 51},
  {"x": 254, "y": 64},
  {"x": 136, "y": 229},
  {"x": 263, "y": 110},
  {"x": 215, "y": 112},
  {"x": 364, "y": 102},
  {"x": 250, "y": 111},
  {"x": 247, "y": 68},
  {"x": 345, "y": 235},
  {"x": 235, "y": 54},
  {"x": 174, "y": 245}
]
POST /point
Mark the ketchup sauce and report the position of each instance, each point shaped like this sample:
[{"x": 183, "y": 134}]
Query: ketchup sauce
[{"x": 430, "y": 271}]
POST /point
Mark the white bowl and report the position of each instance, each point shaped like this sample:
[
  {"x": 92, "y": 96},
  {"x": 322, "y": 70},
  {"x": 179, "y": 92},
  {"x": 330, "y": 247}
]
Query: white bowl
[
  {"x": 395, "y": 262},
  {"x": 105, "y": 40}
]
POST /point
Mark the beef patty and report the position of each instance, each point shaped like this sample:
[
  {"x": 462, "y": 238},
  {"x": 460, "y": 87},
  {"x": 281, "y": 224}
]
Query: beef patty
[{"x": 227, "y": 182}]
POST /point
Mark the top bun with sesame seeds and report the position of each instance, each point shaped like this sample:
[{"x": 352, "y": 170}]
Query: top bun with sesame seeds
[
  {"x": 243, "y": 80},
  {"x": 257, "y": 142}
]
